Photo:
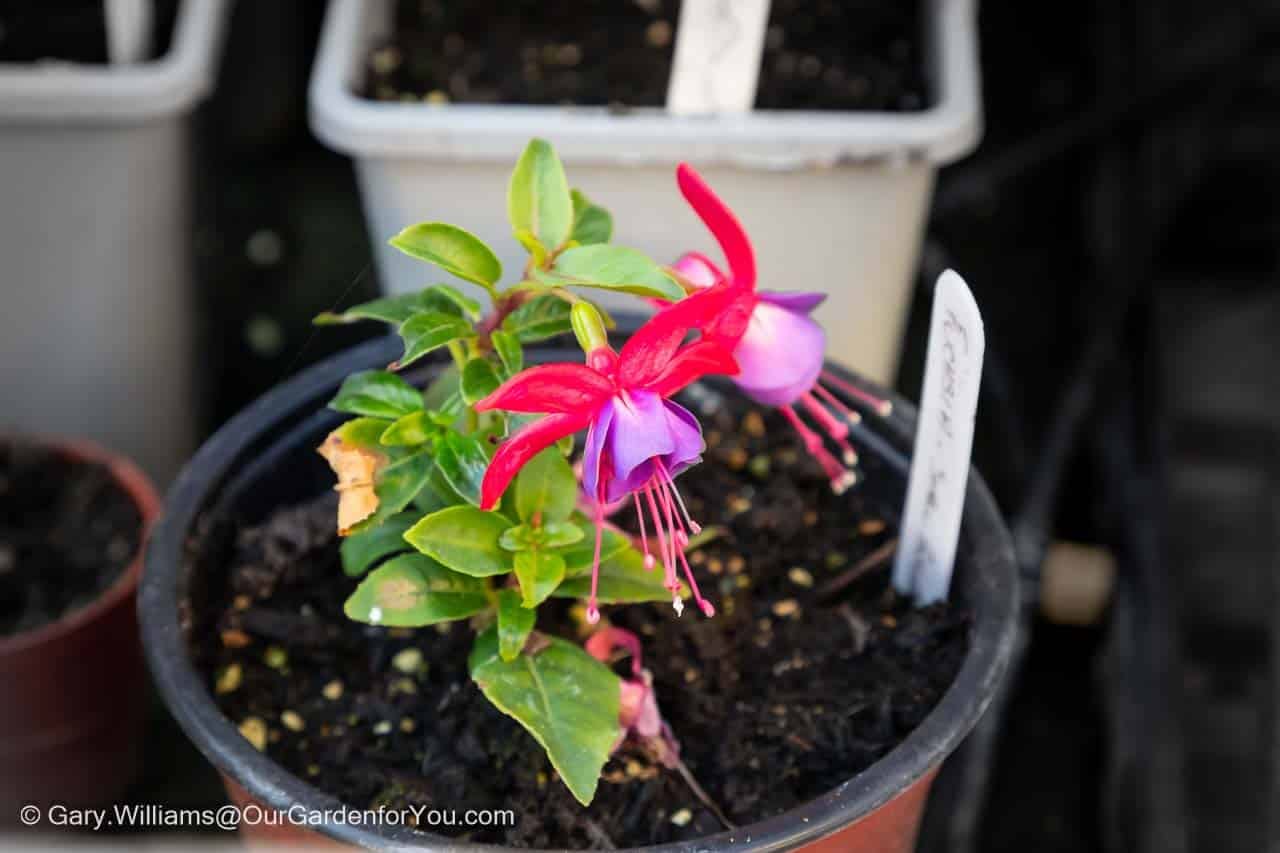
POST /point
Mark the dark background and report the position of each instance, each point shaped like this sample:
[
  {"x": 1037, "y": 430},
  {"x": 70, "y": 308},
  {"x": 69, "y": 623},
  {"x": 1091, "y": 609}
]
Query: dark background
[{"x": 1119, "y": 226}]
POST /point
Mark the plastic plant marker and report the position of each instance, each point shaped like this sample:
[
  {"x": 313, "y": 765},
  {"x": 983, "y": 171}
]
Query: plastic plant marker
[
  {"x": 717, "y": 58},
  {"x": 943, "y": 443}
]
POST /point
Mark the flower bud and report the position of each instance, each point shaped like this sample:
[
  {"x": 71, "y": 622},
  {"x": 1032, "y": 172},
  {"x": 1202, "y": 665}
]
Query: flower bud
[{"x": 588, "y": 326}]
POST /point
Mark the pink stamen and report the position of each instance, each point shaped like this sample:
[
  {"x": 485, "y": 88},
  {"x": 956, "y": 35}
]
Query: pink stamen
[
  {"x": 667, "y": 569},
  {"x": 674, "y": 582},
  {"x": 705, "y": 606},
  {"x": 644, "y": 539},
  {"x": 839, "y": 432},
  {"x": 694, "y": 527},
  {"x": 841, "y": 478},
  {"x": 847, "y": 413},
  {"x": 883, "y": 408}
]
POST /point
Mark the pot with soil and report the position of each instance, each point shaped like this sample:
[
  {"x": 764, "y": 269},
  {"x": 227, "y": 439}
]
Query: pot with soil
[
  {"x": 494, "y": 628},
  {"x": 858, "y": 105},
  {"x": 72, "y": 521}
]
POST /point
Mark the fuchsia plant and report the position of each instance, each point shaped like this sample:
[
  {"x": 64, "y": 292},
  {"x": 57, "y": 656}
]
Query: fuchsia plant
[{"x": 460, "y": 503}]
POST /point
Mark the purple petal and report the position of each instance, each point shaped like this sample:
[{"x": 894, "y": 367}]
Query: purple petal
[
  {"x": 596, "y": 437},
  {"x": 638, "y": 434},
  {"x": 687, "y": 435},
  {"x": 780, "y": 355},
  {"x": 800, "y": 301}
]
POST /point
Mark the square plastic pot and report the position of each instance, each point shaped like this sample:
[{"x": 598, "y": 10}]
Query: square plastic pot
[
  {"x": 95, "y": 233},
  {"x": 264, "y": 460},
  {"x": 835, "y": 201}
]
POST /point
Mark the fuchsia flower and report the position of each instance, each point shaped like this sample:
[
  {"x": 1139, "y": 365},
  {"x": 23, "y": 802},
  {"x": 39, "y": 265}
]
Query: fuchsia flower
[
  {"x": 638, "y": 441},
  {"x": 638, "y": 711},
  {"x": 779, "y": 349}
]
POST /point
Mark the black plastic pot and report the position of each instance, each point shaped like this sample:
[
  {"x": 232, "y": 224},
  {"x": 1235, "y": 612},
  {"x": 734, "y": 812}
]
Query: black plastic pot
[{"x": 264, "y": 459}]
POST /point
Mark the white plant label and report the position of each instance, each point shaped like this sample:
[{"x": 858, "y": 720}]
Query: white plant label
[
  {"x": 943, "y": 444},
  {"x": 717, "y": 57}
]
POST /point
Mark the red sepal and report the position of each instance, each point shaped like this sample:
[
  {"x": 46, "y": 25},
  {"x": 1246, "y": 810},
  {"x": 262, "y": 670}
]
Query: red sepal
[
  {"x": 722, "y": 223},
  {"x": 649, "y": 351},
  {"x": 528, "y": 442},
  {"x": 690, "y": 364},
  {"x": 550, "y": 388}
]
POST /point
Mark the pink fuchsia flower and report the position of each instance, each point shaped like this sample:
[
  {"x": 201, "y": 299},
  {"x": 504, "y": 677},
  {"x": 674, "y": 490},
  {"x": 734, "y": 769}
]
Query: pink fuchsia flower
[
  {"x": 638, "y": 440},
  {"x": 638, "y": 709},
  {"x": 779, "y": 348}
]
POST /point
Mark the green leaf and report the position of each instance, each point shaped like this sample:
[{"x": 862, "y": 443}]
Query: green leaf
[
  {"x": 539, "y": 573},
  {"x": 508, "y": 348},
  {"x": 395, "y": 309},
  {"x": 623, "y": 579},
  {"x": 396, "y": 486},
  {"x": 430, "y": 330},
  {"x": 452, "y": 249},
  {"x": 361, "y": 550},
  {"x": 479, "y": 380},
  {"x": 519, "y": 538},
  {"x": 565, "y": 698},
  {"x": 515, "y": 624},
  {"x": 546, "y": 488},
  {"x": 448, "y": 294},
  {"x": 411, "y": 430},
  {"x": 538, "y": 200},
  {"x": 577, "y": 557},
  {"x": 462, "y": 460},
  {"x": 364, "y": 432},
  {"x": 377, "y": 394},
  {"x": 611, "y": 268},
  {"x": 412, "y": 590},
  {"x": 542, "y": 317},
  {"x": 464, "y": 539},
  {"x": 559, "y": 534},
  {"x": 442, "y": 388},
  {"x": 591, "y": 223}
]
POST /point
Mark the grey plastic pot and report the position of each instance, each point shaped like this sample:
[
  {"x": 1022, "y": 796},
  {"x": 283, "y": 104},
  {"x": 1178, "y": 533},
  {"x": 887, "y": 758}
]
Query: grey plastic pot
[{"x": 263, "y": 459}]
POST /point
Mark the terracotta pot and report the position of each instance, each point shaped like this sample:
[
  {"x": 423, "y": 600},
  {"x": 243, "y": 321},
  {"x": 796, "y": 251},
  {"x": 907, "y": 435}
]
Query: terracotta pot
[
  {"x": 263, "y": 459},
  {"x": 75, "y": 689}
]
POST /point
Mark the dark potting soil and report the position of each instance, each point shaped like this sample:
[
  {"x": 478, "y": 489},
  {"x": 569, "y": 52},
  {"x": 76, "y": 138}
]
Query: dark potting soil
[
  {"x": 67, "y": 531},
  {"x": 70, "y": 30},
  {"x": 819, "y": 54},
  {"x": 777, "y": 699}
]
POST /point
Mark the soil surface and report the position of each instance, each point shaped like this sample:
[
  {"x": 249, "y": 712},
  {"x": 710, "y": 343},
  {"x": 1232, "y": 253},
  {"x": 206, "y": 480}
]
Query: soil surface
[
  {"x": 819, "y": 54},
  {"x": 67, "y": 531},
  {"x": 777, "y": 699}
]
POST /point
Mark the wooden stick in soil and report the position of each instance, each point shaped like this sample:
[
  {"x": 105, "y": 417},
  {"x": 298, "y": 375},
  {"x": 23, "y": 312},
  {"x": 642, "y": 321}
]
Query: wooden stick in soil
[{"x": 872, "y": 561}]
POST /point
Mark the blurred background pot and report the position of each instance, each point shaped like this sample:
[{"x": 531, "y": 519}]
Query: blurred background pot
[
  {"x": 857, "y": 184},
  {"x": 264, "y": 459},
  {"x": 75, "y": 689},
  {"x": 98, "y": 253}
]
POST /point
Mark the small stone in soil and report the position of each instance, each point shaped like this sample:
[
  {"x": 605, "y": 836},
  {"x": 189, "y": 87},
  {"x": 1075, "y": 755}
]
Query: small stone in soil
[
  {"x": 800, "y": 577},
  {"x": 229, "y": 679},
  {"x": 254, "y": 730},
  {"x": 234, "y": 638},
  {"x": 293, "y": 721},
  {"x": 275, "y": 657},
  {"x": 682, "y": 817},
  {"x": 786, "y": 608},
  {"x": 408, "y": 661},
  {"x": 333, "y": 690}
]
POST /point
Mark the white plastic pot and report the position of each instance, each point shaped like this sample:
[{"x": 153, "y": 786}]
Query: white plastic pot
[
  {"x": 834, "y": 201},
  {"x": 95, "y": 235}
]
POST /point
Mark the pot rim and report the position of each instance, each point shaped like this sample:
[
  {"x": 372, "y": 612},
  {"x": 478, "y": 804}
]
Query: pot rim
[
  {"x": 189, "y": 700},
  {"x": 134, "y": 483}
]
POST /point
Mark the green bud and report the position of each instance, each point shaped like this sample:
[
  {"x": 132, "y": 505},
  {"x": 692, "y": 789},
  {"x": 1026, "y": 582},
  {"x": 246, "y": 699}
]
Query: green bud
[{"x": 588, "y": 326}]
